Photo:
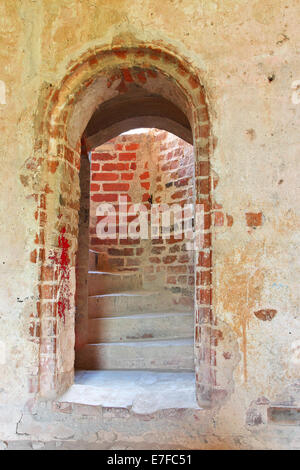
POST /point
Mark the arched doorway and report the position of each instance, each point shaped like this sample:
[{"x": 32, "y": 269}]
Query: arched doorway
[
  {"x": 135, "y": 286},
  {"x": 96, "y": 78}
]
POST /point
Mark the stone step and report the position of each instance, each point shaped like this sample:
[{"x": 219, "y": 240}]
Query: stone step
[
  {"x": 143, "y": 391},
  {"x": 105, "y": 283},
  {"x": 151, "y": 355},
  {"x": 133, "y": 302},
  {"x": 141, "y": 327}
]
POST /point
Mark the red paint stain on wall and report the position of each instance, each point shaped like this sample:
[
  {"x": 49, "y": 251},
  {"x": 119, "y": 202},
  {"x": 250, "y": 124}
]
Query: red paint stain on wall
[{"x": 62, "y": 260}]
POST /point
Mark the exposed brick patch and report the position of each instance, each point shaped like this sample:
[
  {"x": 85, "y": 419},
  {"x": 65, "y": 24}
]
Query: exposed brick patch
[
  {"x": 109, "y": 176},
  {"x": 120, "y": 187},
  {"x": 132, "y": 146},
  {"x": 254, "y": 219},
  {"x": 103, "y": 156},
  {"x": 127, "y": 156},
  {"x": 229, "y": 220},
  {"x": 265, "y": 314}
]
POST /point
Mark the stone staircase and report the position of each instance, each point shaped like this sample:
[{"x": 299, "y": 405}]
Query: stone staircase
[{"x": 132, "y": 328}]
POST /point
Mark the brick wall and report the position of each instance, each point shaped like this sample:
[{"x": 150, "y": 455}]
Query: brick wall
[{"x": 153, "y": 164}]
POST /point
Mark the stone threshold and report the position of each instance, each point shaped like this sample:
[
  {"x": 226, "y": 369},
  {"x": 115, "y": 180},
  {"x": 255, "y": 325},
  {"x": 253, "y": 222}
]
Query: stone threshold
[{"x": 144, "y": 392}]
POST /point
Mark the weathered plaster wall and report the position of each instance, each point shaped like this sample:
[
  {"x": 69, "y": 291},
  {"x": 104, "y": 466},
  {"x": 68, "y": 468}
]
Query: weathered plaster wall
[{"x": 247, "y": 54}]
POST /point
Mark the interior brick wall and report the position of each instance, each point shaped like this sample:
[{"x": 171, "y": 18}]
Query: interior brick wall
[{"x": 154, "y": 164}]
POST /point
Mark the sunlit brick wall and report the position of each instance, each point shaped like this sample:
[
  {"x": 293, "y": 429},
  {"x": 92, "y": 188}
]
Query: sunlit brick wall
[{"x": 154, "y": 167}]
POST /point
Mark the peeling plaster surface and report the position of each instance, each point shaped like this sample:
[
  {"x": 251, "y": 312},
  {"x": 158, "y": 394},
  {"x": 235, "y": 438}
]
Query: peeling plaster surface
[{"x": 246, "y": 55}]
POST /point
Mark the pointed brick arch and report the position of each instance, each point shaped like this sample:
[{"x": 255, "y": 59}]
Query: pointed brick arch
[{"x": 56, "y": 189}]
